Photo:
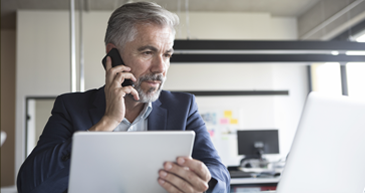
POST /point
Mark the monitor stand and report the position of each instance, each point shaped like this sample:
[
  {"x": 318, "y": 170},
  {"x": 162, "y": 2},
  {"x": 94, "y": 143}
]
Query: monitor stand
[{"x": 255, "y": 161}]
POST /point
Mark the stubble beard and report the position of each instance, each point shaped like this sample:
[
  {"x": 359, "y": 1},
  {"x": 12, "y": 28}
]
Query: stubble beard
[{"x": 151, "y": 94}]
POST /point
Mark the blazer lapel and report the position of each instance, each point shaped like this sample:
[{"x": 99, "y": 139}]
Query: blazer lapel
[{"x": 158, "y": 117}]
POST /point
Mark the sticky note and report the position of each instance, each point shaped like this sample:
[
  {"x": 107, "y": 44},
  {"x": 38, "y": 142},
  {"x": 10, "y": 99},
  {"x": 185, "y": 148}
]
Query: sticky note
[
  {"x": 234, "y": 121},
  {"x": 227, "y": 114},
  {"x": 224, "y": 121}
]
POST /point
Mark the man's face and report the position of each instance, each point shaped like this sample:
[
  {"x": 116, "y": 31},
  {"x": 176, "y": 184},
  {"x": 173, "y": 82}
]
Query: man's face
[{"x": 148, "y": 55}]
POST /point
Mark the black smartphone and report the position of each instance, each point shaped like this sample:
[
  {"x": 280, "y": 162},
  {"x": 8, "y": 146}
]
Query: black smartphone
[{"x": 116, "y": 60}]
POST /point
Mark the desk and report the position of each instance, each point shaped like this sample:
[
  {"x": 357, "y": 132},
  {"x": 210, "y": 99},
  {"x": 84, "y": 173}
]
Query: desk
[{"x": 253, "y": 184}]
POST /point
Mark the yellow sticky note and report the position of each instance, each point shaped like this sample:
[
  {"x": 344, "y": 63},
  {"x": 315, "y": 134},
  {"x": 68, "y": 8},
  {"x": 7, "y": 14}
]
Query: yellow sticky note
[
  {"x": 234, "y": 121},
  {"x": 228, "y": 114}
]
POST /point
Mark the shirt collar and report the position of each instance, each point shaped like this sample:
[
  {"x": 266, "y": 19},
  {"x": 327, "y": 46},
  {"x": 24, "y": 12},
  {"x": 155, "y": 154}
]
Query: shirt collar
[{"x": 147, "y": 110}]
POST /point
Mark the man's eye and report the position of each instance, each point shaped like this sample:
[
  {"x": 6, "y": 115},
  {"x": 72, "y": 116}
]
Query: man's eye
[
  {"x": 147, "y": 53},
  {"x": 168, "y": 55}
]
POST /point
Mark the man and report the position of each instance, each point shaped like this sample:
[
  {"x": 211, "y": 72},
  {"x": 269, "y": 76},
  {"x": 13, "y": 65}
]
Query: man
[{"x": 144, "y": 35}]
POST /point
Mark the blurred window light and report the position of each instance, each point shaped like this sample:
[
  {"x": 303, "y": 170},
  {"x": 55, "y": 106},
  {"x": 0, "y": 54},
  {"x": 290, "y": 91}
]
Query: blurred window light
[
  {"x": 335, "y": 53},
  {"x": 361, "y": 38},
  {"x": 355, "y": 72},
  {"x": 326, "y": 78},
  {"x": 355, "y": 53},
  {"x": 356, "y": 79}
]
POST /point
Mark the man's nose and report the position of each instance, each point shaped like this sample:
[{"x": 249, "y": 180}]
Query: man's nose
[{"x": 159, "y": 64}]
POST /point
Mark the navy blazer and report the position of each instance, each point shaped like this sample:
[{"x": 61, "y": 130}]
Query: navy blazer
[{"x": 46, "y": 169}]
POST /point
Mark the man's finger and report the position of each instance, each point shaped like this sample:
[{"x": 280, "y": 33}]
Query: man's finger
[
  {"x": 176, "y": 182},
  {"x": 108, "y": 64},
  {"x": 196, "y": 166},
  {"x": 168, "y": 186},
  {"x": 184, "y": 174},
  {"x": 121, "y": 77},
  {"x": 132, "y": 91},
  {"x": 118, "y": 72},
  {"x": 108, "y": 74}
]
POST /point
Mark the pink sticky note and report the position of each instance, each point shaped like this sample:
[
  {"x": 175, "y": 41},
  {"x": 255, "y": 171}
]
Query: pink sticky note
[{"x": 224, "y": 121}]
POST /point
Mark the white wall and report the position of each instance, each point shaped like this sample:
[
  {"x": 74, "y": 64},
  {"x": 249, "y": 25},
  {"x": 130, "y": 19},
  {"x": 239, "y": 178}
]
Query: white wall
[
  {"x": 43, "y": 64},
  {"x": 236, "y": 26},
  {"x": 256, "y": 112}
]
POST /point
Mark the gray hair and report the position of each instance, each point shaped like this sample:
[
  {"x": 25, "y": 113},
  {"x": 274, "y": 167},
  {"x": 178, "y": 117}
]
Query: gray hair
[{"x": 121, "y": 25}]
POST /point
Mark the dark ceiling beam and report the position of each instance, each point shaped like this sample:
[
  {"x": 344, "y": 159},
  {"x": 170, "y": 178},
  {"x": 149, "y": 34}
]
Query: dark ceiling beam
[
  {"x": 266, "y": 45},
  {"x": 239, "y": 93},
  {"x": 267, "y": 58},
  {"x": 213, "y": 51}
]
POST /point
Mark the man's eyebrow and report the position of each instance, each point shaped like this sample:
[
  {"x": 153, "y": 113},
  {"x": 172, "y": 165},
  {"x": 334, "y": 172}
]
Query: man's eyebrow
[
  {"x": 147, "y": 48},
  {"x": 170, "y": 50},
  {"x": 154, "y": 49}
]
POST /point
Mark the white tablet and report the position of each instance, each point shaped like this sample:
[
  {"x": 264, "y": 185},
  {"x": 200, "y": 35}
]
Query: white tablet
[{"x": 116, "y": 162}]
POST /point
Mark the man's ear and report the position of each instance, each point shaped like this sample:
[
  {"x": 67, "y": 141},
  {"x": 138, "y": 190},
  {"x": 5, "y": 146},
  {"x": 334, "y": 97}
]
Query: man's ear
[{"x": 109, "y": 47}]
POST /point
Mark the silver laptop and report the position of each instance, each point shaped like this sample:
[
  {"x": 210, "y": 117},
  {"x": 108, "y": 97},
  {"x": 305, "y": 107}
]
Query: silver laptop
[
  {"x": 124, "y": 162},
  {"x": 328, "y": 151}
]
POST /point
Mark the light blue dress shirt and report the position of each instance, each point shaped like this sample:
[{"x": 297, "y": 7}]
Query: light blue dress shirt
[{"x": 139, "y": 124}]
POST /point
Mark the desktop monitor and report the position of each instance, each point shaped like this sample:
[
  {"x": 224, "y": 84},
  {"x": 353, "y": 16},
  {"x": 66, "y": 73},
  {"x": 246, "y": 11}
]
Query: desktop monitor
[{"x": 255, "y": 143}]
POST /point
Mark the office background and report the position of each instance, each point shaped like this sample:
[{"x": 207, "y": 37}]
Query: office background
[{"x": 35, "y": 57}]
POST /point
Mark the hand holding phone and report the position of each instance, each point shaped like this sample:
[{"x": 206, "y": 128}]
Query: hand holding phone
[
  {"x": 117, "y": 60},
  {"x": 115, "y": 100}
]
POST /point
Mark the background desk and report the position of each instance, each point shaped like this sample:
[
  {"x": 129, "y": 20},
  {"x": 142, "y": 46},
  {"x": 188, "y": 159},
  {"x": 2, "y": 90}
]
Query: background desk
[{"x": 253, "y": 184}]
